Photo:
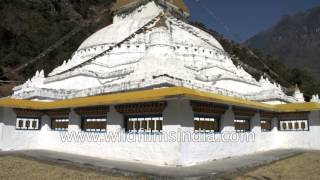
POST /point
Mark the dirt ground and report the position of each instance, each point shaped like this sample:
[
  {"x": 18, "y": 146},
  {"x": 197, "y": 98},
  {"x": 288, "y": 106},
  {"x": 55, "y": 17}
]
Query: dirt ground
[
  {"x": 302, "y": 167},
  {"x": 29, "y": 169}
]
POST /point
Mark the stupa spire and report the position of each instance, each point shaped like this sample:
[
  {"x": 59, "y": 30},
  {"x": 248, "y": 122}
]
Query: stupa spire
[
  {"x": 298, "y": 95},
  {"x": 177, "y": 5}
]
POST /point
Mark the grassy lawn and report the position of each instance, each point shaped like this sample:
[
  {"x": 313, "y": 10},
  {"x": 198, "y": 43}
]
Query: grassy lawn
[{"x": 302, "y": 167}]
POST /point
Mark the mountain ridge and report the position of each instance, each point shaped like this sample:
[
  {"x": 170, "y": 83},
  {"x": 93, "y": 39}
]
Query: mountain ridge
[
  {"x": 51, "y": 20},
  {"x": 294, "y": 39}
]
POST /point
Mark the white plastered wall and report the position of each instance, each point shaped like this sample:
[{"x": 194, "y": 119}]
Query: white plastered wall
[
  {"x": 1, "y": 126},
  {"x": 177, "y": 115},
  {"x": 228, "y": 143},
  {"x": 158, "y": 152},
  {"x": 77, "y": 82},
  {"x": 302, "y": 139},
  {"x": 178, "y": 118},
  {"x": 13, "y": 139}
]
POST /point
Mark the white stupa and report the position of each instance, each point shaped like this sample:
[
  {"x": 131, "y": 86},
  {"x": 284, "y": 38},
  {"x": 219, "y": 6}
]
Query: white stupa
[
  {"x": 163, "y": 93},
  {"x": 150, "y": 45}
]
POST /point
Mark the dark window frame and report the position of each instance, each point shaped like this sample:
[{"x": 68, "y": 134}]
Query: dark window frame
[
  {"x": 242, "y": 119},
  {"x": 293, "y": 121},
  {"x": 20, "y": 124},
  {"x": 96, "y": 130},
  {"x": 264, "y": 129},
  {"x": 53, "y": 120},
  {"x": 140, "y": 130},
  {"x": 31, "y": 120},
  {"x": 206, "y": 116}
]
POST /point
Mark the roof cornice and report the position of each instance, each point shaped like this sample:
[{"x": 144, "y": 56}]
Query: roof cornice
[{"x": 156, "y": 95}]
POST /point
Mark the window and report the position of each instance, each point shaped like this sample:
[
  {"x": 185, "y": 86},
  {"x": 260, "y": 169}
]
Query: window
[
  {"x": 242, "y": 125},
  {"x": 60, "y": 124},
  {"x": 144, "y": 124},
  {"x": 206, "y": 124},
  {"x": 28, "y": 123},
  {"x": 94, "y": 124},
  {"x": 20, "y": 124},
  {"x": 34, "y": 124},
  {"x": 266, "y": 125},
  {"x": 293, "y": 125}
]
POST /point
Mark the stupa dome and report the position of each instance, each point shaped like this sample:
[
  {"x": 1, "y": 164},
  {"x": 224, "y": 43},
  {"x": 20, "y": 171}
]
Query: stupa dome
[
  {"x": 124, "y": 26},
  {"x": 150, "y": 44}
]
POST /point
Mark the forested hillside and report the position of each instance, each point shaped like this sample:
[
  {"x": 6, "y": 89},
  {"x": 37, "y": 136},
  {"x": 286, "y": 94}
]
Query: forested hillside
[
  {"x": 41, "y": 34},
  {"x": 44, "y": 33},
  {"x": 258, "y": 63}
]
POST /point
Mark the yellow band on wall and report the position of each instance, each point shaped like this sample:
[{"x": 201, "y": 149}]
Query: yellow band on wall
[{"x": 156, "y": 95}]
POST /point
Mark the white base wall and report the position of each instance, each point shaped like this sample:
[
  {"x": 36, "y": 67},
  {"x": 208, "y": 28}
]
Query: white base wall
[
  {"x": 303, "y": 139},
  {"x": 13, "y": 139},
  {"x": 178, "y": 116},
  {"x": 1, "y": 126},
  {"x": 228, "y": 143}
]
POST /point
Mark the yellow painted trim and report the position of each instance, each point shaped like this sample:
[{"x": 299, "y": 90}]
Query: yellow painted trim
[
  {"x": 298, "y": 107},
  {"x": 217, "y": 98},
  {"x": 155, "y": 95}
]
